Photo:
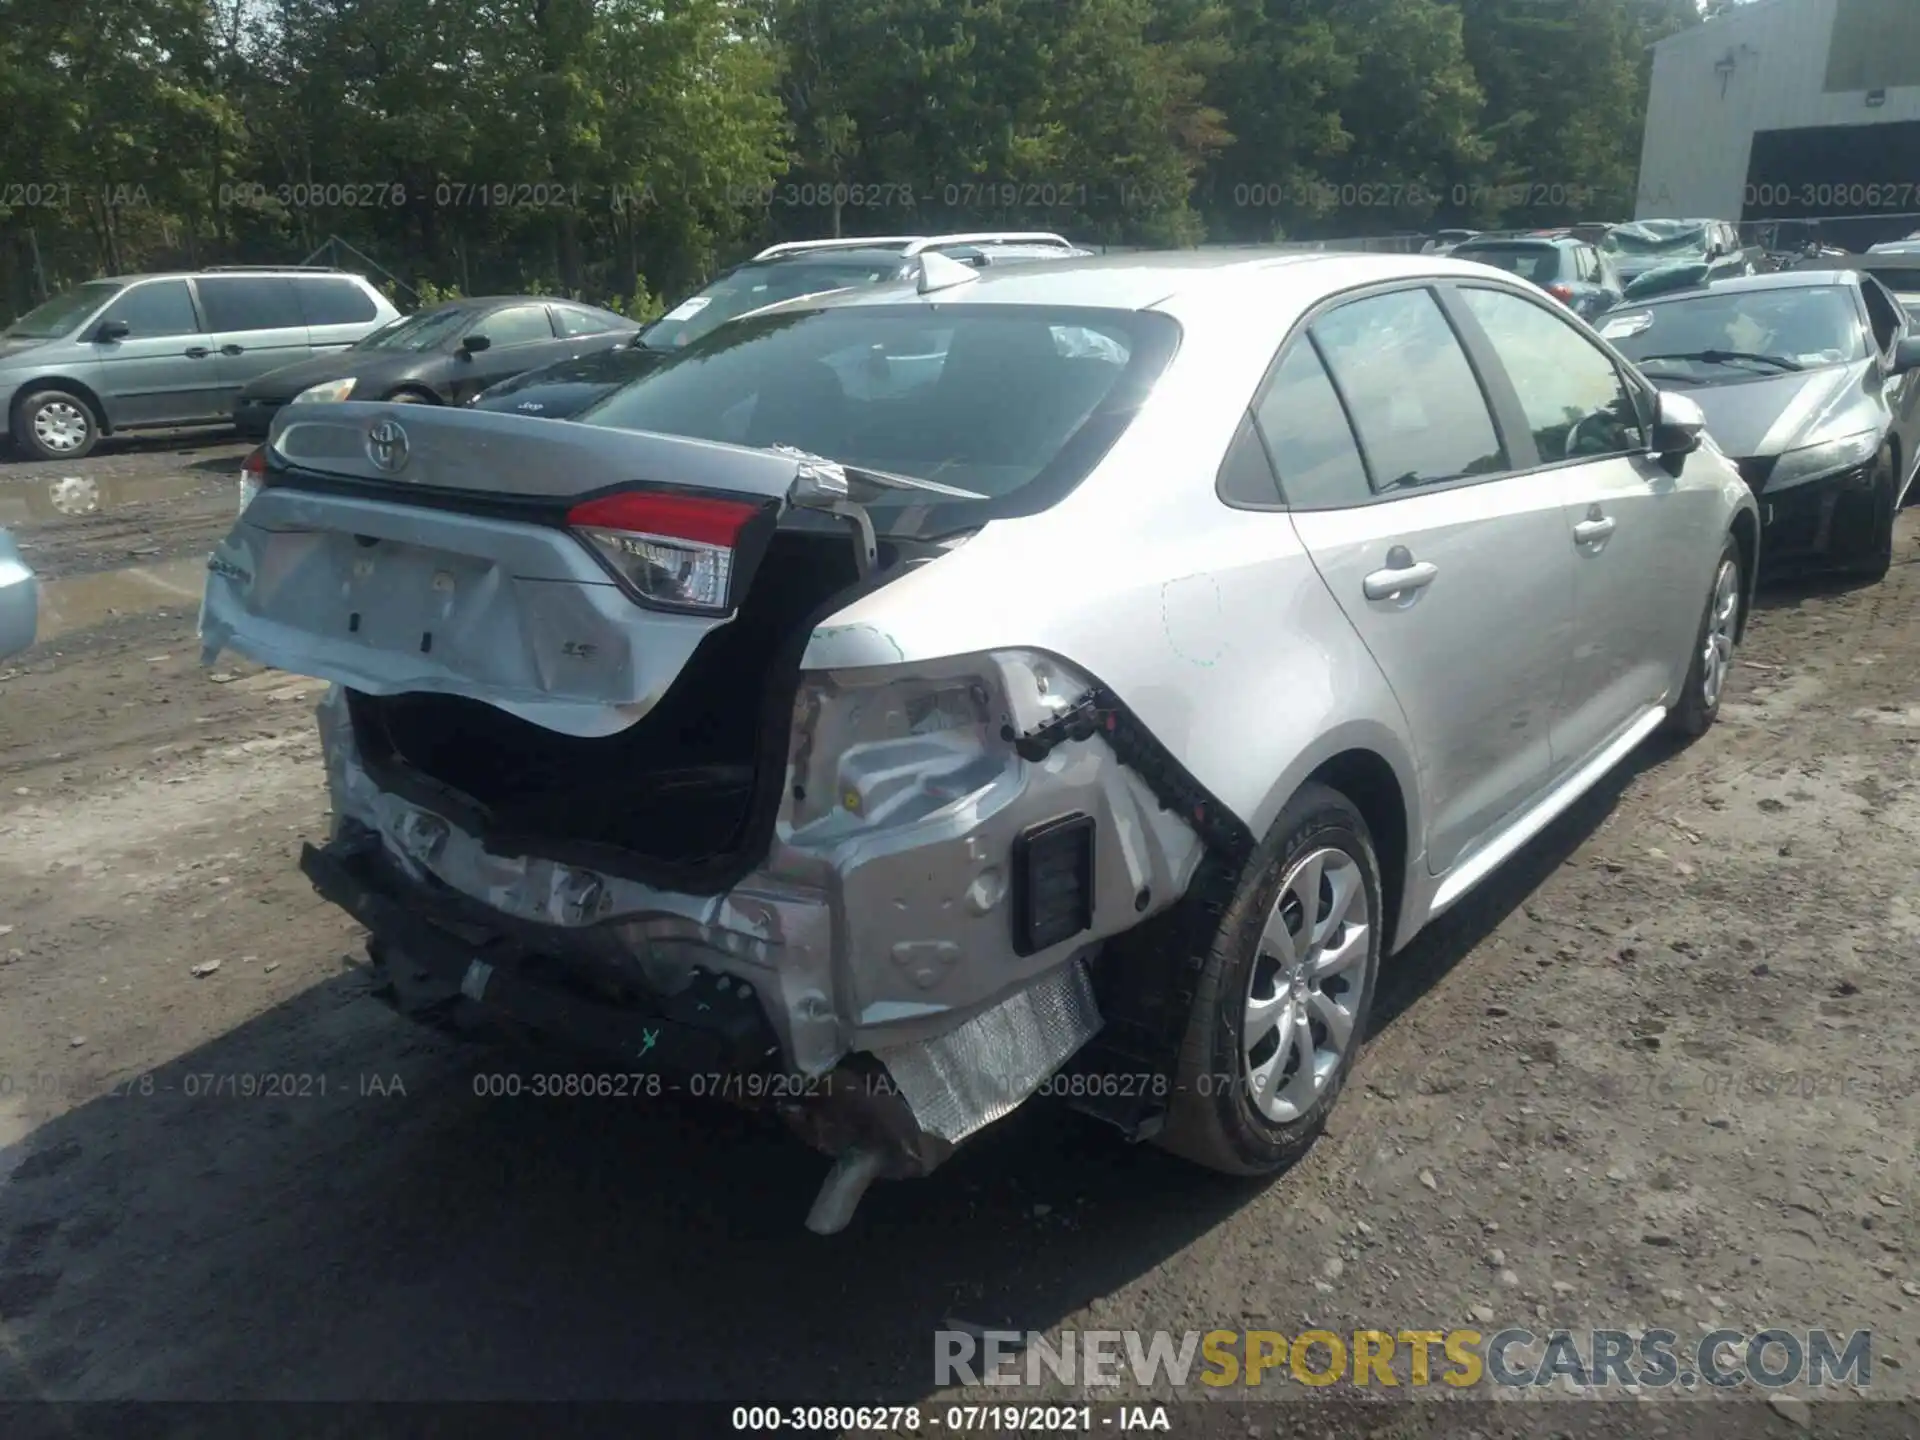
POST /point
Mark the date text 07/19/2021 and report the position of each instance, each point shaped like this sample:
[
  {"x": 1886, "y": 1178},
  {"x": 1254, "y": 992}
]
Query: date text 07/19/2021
[{"x": 957, "y": 1419}]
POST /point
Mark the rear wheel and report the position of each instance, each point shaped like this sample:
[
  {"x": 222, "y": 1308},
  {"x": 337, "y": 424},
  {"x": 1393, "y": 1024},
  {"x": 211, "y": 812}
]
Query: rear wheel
[
  {"x": 55, "y": 425},
  {"x": 1713, "y": 647},
  {"x": 1285, "y": 989}
]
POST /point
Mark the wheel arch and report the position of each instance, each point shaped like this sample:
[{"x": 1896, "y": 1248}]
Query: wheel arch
[
  {"x": 1374, "y": 788},
  {"x": 79, "y": 389},
  {"x": 420, "y": 388},
  {"x": 1368, "y": 761},
  {"x": 1902, "y": 480}
]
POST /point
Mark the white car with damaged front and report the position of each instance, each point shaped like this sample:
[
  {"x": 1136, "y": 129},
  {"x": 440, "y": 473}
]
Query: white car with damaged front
[{"x": 901, "y": 695}]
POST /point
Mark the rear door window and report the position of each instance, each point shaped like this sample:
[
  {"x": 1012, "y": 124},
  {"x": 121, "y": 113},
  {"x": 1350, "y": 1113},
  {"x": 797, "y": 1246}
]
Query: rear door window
[
  {"x": 1415, "y": 401},
  {"x": 1307, "y": 434},
  {"x": 515, "y": 325},
  {"x": 329, "y": 300},
  {"x": 250, "y": 302},
  {"x": 1246, "y": 479},
  {"x": 159, "y": 307},
  {"x": 1538, "y": 263},
  {"x": 577, "y": 320}
]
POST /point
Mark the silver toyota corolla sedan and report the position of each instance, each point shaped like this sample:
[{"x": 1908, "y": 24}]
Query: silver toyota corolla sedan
[
  {"x": 1073, "y": 680},
  {"x": 19, "y": 600}
]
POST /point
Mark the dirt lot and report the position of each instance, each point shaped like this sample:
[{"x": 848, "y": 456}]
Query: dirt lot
[{"x": 1665, "y": 1071}]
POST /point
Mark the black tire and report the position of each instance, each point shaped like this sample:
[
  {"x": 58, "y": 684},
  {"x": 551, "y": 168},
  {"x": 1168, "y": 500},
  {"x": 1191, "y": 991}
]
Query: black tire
[
  {"x": 1875, "y": 556},
  {"x": 412, "y": 397},
  {"x": 1213, "y": 1119},
  {"x": 1698, "y": 707},
  {"x": 44, "y": 415}
]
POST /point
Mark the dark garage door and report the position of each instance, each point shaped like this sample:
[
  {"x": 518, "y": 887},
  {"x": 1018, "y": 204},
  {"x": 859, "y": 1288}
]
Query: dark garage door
[{"x": 1838, "y": 171}]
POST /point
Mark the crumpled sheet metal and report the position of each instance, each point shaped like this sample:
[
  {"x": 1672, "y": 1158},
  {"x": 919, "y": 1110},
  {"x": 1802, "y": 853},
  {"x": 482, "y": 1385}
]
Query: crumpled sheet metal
[{"x": 969, "y": 1077}]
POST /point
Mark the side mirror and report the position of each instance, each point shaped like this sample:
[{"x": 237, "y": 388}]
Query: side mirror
[
  {"x": 1678, "y": 424},
  {"x": 112, "y": 330},
  {"x": 474, "y": 344},
  {"x": 1906, "y": 355}
]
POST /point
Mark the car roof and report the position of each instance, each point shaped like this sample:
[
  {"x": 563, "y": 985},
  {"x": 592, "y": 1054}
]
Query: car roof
[
  {"x": 1521, "y": 242},
  {"x": 498, "y": 302},
  {"x": 250, "y": 272},
  {"x": 1740, "y": 284},
  {"x": 828, "y": 259},
  {"x": 1150, "y": 280}
]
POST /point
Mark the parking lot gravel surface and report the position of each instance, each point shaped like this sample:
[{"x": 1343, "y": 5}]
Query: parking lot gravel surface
[{"x": 1663, "y": 1070}]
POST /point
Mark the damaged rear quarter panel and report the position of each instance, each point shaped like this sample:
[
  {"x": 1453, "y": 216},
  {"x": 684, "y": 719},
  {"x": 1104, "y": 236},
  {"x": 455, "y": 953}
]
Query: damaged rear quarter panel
[
  {"x": 919, "y": 864},
  {"x": 1210, "y": 623}
]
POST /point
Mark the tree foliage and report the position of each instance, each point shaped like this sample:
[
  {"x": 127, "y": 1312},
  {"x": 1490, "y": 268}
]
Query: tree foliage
[{"x": 623, "y": 148}]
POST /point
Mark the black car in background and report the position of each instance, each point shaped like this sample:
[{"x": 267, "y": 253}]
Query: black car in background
[
  {"x": 1810, "y": 381},
  {"x": 781, "y": 272},
  {"x": 1572, "y": 271},
  {"x": 563, "y": 390},
  {"x": 443, "y": 355}
]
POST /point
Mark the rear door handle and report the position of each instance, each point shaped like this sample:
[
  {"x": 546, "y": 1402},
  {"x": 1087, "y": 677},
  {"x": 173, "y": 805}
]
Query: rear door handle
[
  {"x": 233, "y": 349},
  {"x": 198, "y": 352},
  {"x": 1589, "y": 532},
  {"x": 1399, "y": 579}
]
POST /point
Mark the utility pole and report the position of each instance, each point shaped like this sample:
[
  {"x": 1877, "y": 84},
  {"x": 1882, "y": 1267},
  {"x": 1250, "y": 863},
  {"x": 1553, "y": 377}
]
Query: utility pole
[{"x": 39, "y": 270}]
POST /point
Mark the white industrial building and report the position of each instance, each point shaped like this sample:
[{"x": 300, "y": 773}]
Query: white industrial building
[{"x": 1789, "y": 109}]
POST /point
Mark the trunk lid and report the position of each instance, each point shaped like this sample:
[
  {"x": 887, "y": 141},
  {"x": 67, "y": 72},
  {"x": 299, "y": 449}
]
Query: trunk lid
[{"x": 410, "y": 549}]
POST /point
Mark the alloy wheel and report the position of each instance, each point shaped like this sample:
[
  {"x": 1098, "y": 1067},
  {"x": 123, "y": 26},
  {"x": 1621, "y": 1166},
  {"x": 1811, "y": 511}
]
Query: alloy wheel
[
  {"x": 1716, "y": 654},
  {"x": 1304, "y": 988}
]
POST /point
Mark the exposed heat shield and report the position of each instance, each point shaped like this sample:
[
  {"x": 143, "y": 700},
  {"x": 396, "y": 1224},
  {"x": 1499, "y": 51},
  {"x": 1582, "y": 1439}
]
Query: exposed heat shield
[{"x": 969, "y": 1077}]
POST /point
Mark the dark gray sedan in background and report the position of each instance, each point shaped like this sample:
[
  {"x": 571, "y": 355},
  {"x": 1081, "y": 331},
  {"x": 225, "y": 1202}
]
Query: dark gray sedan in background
[
  {"x": 440, "y": 356},
  {"x": 1808, "y": 382}
]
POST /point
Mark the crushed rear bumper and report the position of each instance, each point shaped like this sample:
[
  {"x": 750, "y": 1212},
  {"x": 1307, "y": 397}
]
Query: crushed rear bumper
[
  {"x": 445, "y": 957},
  {"x": 884, "y": 1032}
]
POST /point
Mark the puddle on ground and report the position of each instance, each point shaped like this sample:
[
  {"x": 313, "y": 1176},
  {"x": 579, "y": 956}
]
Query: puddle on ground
[
  {"x": 72, "y": 496},
  {"x": 77, "y": 602}
]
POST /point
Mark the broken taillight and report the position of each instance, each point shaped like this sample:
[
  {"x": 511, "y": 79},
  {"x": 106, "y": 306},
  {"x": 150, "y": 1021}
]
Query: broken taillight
[
  {"x": 253, "y": 470},
  {"x": 676, "y": 550}
]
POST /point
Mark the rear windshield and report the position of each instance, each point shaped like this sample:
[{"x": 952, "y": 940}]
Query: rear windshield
[
  {"x": 751, "y": 286},
  {"x": 63, "y": 312},
  {"x": 1014, "y": 403},
  {"x": 1538, "y": 263}
]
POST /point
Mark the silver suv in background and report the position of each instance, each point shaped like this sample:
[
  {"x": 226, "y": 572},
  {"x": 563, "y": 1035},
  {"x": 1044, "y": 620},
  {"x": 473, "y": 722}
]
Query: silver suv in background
[
  {"x": 139, "y": 351},
  {"x": 898, "y": 695}
]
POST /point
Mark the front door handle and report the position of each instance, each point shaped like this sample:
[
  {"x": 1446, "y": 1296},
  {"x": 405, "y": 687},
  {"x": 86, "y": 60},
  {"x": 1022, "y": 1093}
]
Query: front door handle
[
  {"x": 1594, "y": 530},
  {"x": 198, "y": 352},
  {"x": 233, "y": 349},
  {"x": 1403, "y": 575}
]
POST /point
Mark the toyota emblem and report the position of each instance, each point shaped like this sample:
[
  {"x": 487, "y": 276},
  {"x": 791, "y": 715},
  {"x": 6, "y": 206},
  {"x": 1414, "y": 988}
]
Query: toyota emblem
[{"x": 387, "y": 445}]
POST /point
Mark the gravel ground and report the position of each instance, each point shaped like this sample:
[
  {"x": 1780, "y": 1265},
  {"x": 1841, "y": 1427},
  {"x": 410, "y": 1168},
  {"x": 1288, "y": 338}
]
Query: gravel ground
[{"x": 1661, "y": 1071}]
